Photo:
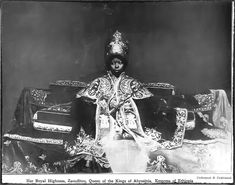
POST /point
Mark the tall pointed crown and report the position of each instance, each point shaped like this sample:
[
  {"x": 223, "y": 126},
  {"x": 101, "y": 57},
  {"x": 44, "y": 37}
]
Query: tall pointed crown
[{"x": 117, "y": 46}]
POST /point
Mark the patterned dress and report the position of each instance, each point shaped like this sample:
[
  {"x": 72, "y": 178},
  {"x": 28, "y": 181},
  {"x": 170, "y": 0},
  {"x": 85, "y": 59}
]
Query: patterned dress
[{"x": 116, "y": 110}]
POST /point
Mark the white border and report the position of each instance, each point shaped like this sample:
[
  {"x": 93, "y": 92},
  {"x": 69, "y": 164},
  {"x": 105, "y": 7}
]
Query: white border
[
  {"x": 118, "y": 178},
  {"x": 129, "y": 178}
]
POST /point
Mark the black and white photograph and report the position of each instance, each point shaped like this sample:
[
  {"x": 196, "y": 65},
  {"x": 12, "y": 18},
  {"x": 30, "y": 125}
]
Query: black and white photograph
[{"x": 117, "y": 92}]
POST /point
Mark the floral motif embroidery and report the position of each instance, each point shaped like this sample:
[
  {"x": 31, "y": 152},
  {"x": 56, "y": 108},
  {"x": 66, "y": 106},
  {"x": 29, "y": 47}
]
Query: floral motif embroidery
[
  {"x": 103, "y": 87},
  {"x": 181, "y": 118},
  {"x": 157, "y": 166},
  {"x": 125, "y": 86},
  {"x": 88, "y": 149},
  {"x": 45, "y": 169},
  {"x": 31, "y": 168},
  {"x": 155, "y": 135},
  {"x": 160, "y": 166},
  {"x": 17, "y": 169},
  {"x": 42, "y": 156},
  {"x": 206, "y": 101},
  {"x": 39, "y": 96},
  {"x": 93, "y": 88}
]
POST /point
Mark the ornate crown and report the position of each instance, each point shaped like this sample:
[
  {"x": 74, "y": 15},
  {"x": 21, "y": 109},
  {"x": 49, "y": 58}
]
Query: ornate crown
[{"x": 117, "y": 46}]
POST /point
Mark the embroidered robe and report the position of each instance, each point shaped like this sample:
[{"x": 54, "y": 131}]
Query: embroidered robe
[{"x": 115, "y": 105}]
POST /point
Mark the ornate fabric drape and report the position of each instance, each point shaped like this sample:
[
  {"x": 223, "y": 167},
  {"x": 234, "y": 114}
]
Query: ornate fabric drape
[{"x": 31, "y": 144}]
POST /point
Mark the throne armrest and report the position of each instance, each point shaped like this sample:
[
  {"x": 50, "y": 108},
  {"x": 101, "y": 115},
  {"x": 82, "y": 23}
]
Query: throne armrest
[
  {"x": 162, "y": 89},
  {"x": 63, "y": 91},
  {"x": 68, "y": 83}
]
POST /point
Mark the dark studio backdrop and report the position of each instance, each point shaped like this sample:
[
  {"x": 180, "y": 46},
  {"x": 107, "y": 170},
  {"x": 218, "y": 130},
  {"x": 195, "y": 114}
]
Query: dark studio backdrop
[{"x": 187, "y": 44}]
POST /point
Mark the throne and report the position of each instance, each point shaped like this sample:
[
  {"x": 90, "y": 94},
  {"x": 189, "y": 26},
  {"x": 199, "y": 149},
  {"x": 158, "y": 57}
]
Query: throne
[
  {"x": 54, "y": 113},
  {"x": 48, "y": 110},
  {"x": 55, "y": 116},
  {"x": 43, "y": 124}
]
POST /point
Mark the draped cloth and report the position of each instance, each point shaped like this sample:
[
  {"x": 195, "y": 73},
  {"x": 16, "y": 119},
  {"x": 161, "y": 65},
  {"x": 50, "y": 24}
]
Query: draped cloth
[
  {"x": 222, "y": 113},
  {"x": 206, "y": 148}
]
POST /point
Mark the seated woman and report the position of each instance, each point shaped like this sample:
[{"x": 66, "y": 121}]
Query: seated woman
[
  {"x": 116, "y": 109},
  {"x": 113, "y": 117}
]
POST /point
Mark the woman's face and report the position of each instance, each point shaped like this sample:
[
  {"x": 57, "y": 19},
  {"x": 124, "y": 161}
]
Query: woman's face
[{"x": 116, "y": 65}]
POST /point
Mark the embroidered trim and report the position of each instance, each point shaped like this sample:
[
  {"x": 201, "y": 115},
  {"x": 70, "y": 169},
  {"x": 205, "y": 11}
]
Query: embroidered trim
[
  {"x": 35, "y": 140},
  {"x": 69, "y": 83},
  {"x": 64, "y": 108},
  {"x": 153, "y": 134},
  {"x": 206, "y": 101},
  {"x": 214, "y": 133},
  {"x": 51, "y": 127},
  {"x": 204, "y": 142},
  {"x": 103, "y": 87},
  {"x": 181, "y": 118},
  {"x": 158, "y": 85},
  {"x": 201, "y": 109},
  {"x": 39, "y": 96}
]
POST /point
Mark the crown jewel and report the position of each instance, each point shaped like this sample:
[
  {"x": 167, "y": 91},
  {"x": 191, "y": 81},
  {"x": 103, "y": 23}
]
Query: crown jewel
[{"x": 118, "y": 46}]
